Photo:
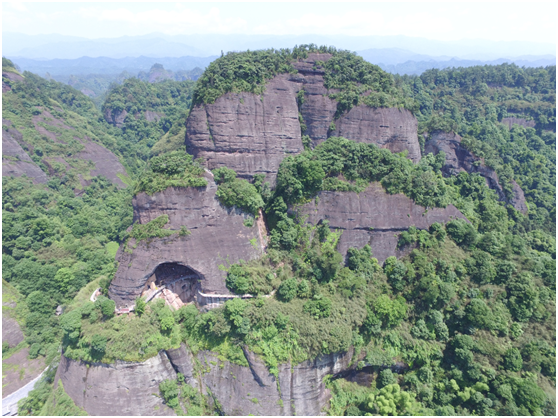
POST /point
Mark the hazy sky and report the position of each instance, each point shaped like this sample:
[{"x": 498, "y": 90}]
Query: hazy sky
[{"x": 526, "y": 21}]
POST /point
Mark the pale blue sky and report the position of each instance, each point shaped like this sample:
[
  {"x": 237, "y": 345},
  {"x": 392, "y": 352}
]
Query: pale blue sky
[{"x": 526, "y": 21}]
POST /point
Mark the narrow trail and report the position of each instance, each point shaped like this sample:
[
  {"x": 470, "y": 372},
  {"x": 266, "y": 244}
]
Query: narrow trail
[{"x": 9, "y": 403}]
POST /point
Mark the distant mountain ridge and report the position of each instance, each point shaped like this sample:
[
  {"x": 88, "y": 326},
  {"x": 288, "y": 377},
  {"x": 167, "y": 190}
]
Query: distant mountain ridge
[
  {"x": 393, "y": 60},
  {"x": 106, "y": 65},
  {"x": 160, "y": 45}
]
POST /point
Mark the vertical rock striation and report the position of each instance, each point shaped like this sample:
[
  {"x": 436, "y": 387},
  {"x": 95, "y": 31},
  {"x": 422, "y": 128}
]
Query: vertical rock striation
[
  {"x": 117, "y": 389},
  {"x": 218, "y": 237},
  {"x": 252, "y": 134},
  {"x": 391, "y": 128},
  {"x": 133, "y": 388},
  {"x": 372, "y": 217}
]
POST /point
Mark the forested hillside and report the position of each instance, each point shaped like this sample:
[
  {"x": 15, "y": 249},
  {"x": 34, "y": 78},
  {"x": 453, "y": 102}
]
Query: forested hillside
[
  {"x": 67, "y": 206},
  {"x": 463, "y": 322},
  {"x": 147, "y": 113}
]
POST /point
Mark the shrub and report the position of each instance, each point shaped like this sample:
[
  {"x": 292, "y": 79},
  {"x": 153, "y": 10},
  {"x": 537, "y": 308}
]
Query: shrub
[
  {"x": 98, "y": 345},
  {"x": 175, "y": 169},
  {"x": 319, "y": 307},
  {"x": 107, "y": 308},
  {"x": 288, "y": 289},
  {"x": 385, "y": 378},
  {"x": 513, "y": 360}
]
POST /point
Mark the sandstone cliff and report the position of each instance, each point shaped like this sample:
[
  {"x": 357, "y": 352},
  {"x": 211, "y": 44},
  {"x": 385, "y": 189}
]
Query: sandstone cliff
[
  {"x": 458, "y": 158},
  {"x": 218, "y": 237},
  {"x": 372, "y": 217},
  {"x": 252, "y": 134},
  {"x": 132, "y": 388},
  {"x": 117, "y": 389}
]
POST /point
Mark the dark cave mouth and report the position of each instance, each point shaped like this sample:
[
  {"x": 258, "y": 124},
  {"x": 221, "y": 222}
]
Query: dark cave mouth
[{"x": 177, "y": 280}]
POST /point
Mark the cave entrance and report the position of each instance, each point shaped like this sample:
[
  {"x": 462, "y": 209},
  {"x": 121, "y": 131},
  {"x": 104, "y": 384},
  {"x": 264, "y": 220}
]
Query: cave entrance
[{"x": 175, "y": 283}]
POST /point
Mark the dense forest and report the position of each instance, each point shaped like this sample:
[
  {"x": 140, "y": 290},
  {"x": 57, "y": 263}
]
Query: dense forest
[{"x": 470, "y": 310}]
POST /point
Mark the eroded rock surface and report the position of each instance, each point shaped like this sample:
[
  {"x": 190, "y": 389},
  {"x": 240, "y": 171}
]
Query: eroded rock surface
[
  {"x": 129, "y": 388},
  {"x": 116, "y": 118},
  {"x": 372, "y": 217},
  {"x": 459, "y": 158},
  {"x": 10, "y": 76},
  {"x": 117, "y": 389},
  {"x": 218, "y": 237},
  {"x": 252, "y": 134},
  {"x": 15, "y": 161},
  {"x": 394, "y": 129},
  {"x": 246, "y": 132},
  {"x": 106, "y": 163}
]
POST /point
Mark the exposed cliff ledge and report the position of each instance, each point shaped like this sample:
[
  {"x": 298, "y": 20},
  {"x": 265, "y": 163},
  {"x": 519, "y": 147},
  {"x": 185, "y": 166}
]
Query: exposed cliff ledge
[
  {"x": 252, "y": 134},
  {"x": 132, "y": 388},
  {"x": 218, "y": 236},
  {"x": 509, "y": 122},
  {"x": 458, "y": 158},
  {"x": 372, "y": 217}
]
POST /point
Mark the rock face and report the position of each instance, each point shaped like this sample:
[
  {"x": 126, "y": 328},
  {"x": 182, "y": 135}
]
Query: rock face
[
  {"x": 247, "y": 133},
  {"x": 129, "y": 388},
  {"x": 115, "y": 118},
  {"x": 15, "y": 161},
  {"x": 394, "y": 129},
  {"x": 252, "y": 134},
  {"x": 218, "y": 237},
  {"x": 10, "y": 76},
  {"x": 509, "y": 122},
  {"x": 372, "y": 217},
  {"x": 458, "y": 158},
  {"x": 106, "y": 163},
  {"x": 117, "y": 389}
]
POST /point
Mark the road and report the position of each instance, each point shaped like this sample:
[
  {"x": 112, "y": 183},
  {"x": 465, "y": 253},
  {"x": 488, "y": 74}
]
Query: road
[{"x": 9, "y": 403}]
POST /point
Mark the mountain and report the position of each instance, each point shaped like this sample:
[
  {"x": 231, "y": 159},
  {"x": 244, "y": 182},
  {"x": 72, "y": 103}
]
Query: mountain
[
  {"x": 161, "y": 45},
  {"x": 106, "y": 65},
  {"x": 419, "y": 67},
  {"x": 311, "y": 235},
  {"x": 96, "y": 48}
]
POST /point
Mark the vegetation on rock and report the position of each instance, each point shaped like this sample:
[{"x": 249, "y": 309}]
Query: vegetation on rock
[{"x": 173, "y": 169}]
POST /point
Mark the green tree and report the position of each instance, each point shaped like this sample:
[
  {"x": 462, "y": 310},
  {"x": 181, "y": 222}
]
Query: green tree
[{"x": 513, "y": 360}]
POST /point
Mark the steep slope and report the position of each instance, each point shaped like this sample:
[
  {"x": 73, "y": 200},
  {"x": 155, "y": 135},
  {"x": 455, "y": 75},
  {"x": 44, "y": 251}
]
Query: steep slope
[
  {"x": 45, "y": 134},
  {"x": 459, "y": 158},
  {"x": 217, "y": 237},
  {"x": 461, "y": 321},
  {"x": 17, "y": 368},
  {"x": 371, "y": 217},
  {"x": 252, "y": 132},
  {"x": 237, "y": 390}
]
